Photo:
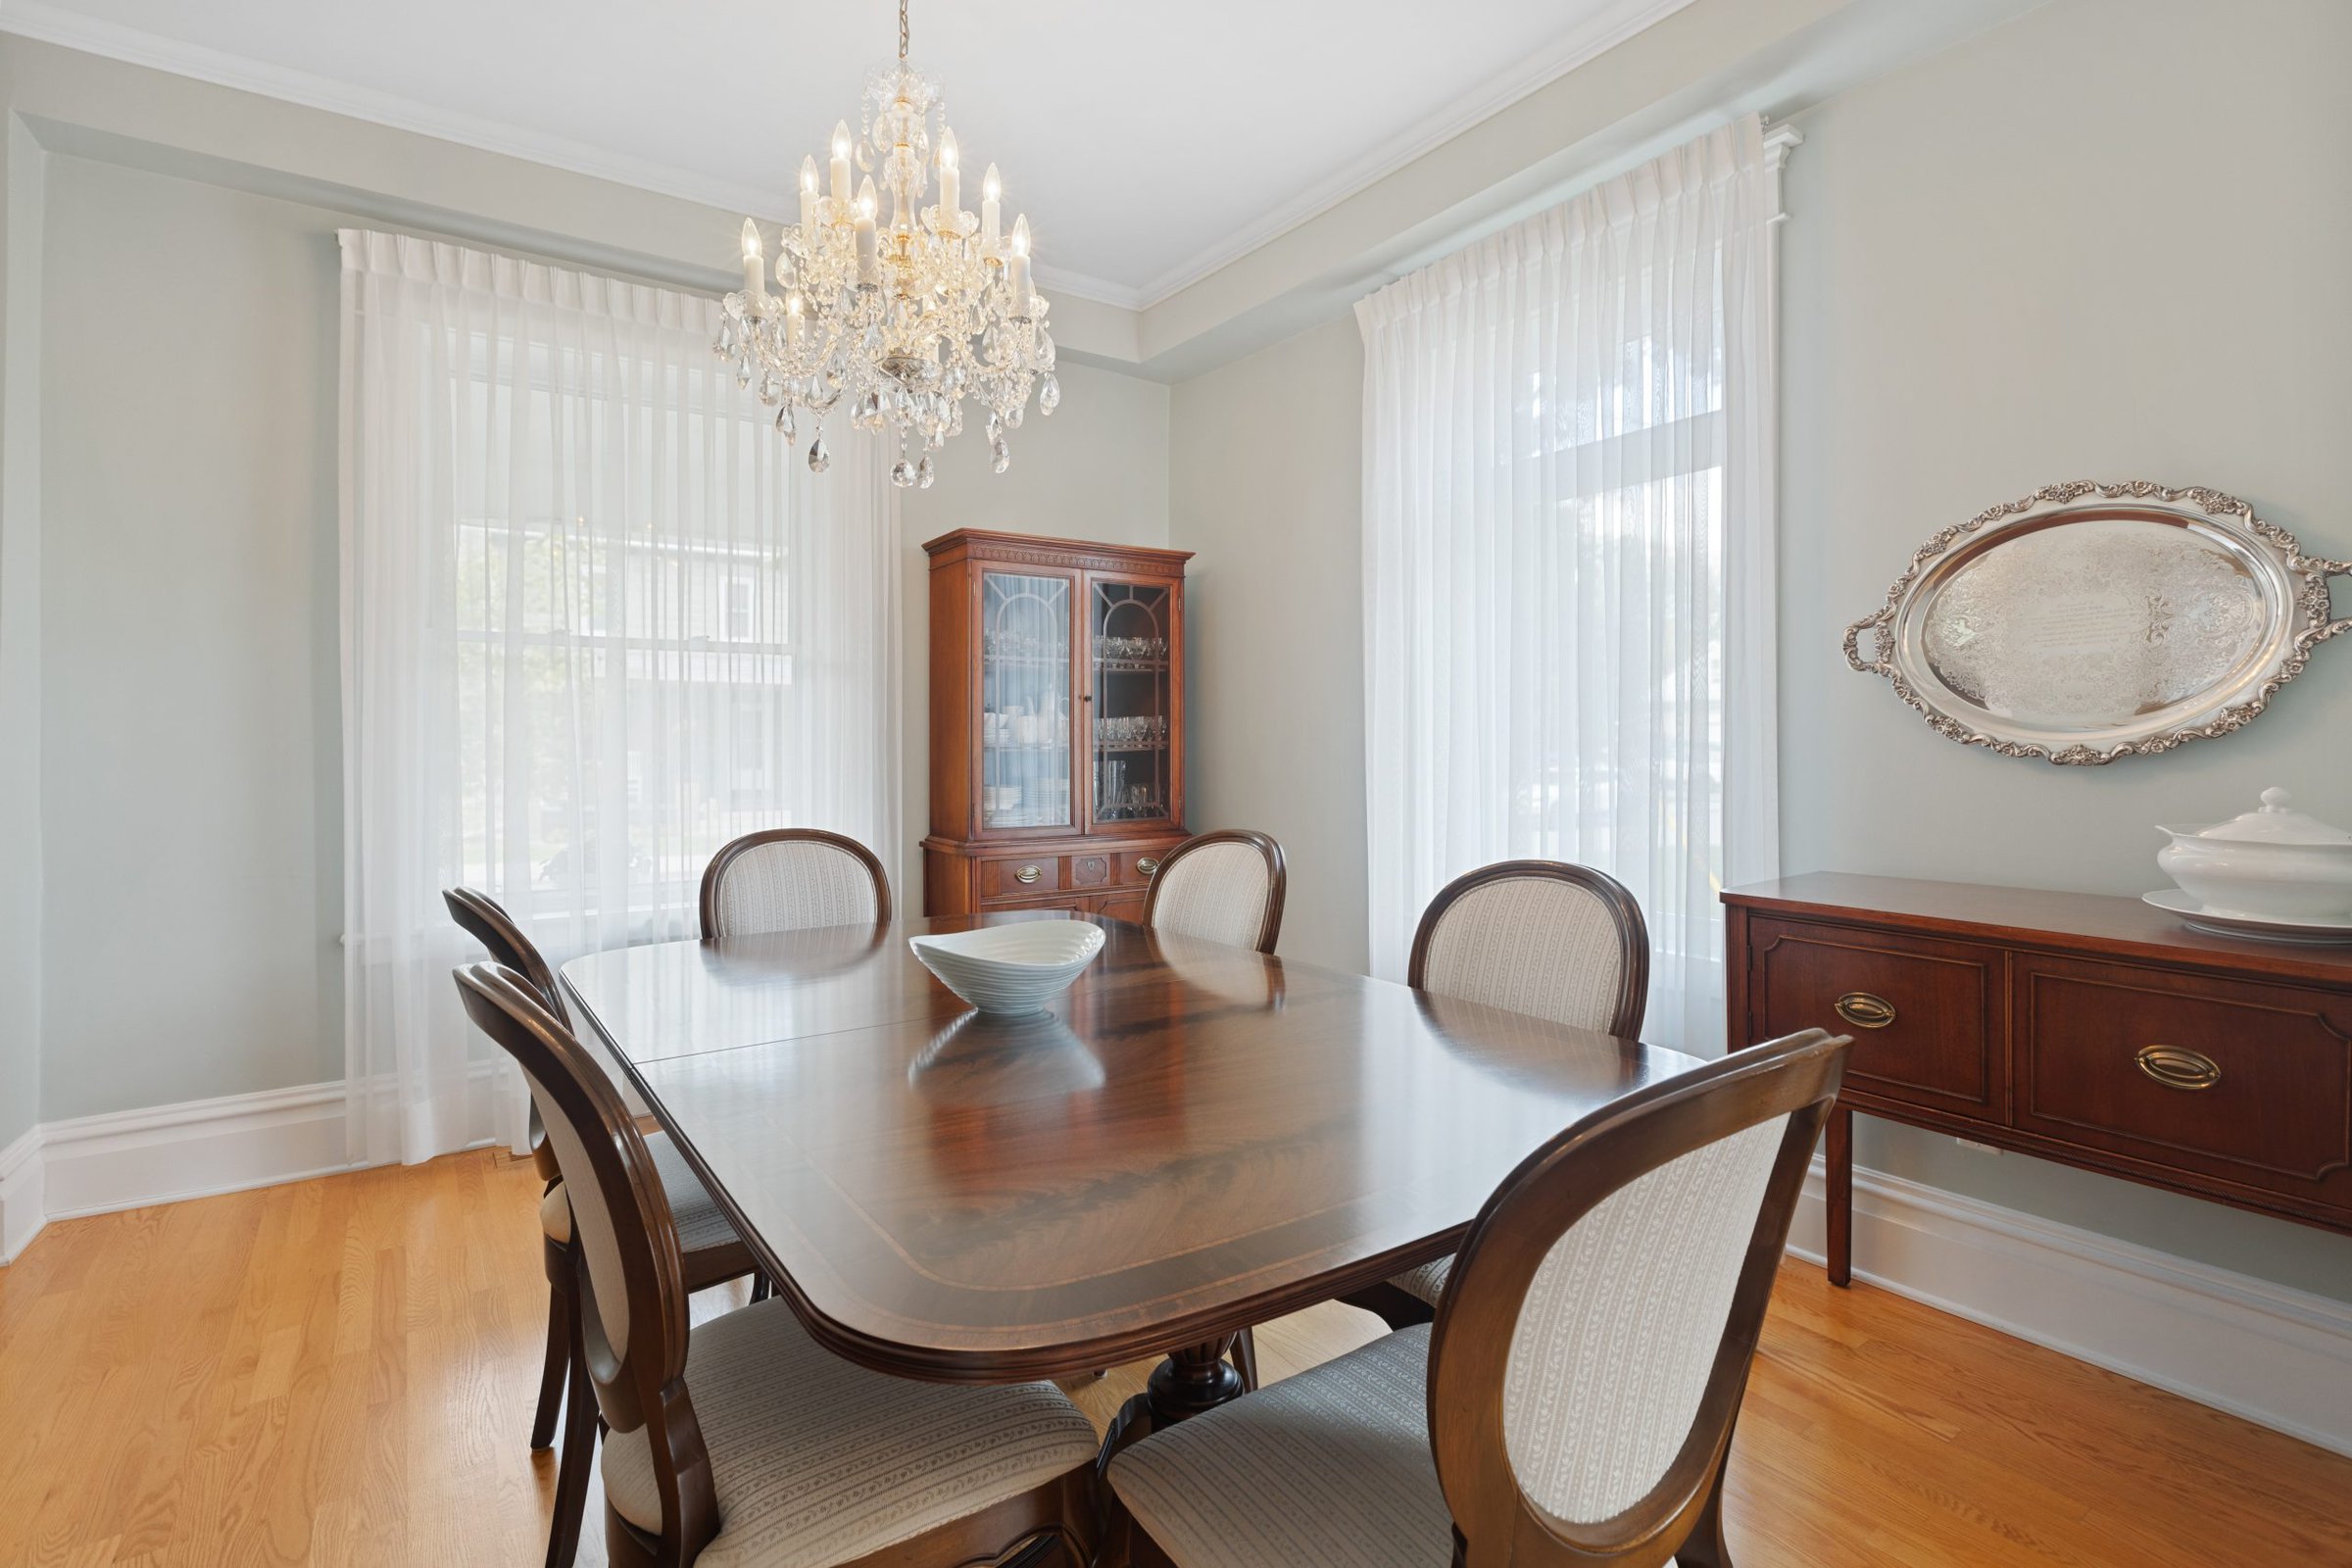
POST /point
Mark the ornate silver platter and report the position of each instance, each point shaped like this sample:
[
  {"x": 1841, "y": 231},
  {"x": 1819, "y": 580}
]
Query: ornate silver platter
[{"x": 2090, "y": 621}]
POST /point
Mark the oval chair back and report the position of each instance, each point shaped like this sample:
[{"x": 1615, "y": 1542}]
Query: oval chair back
[
  {"x": 1224, "y": 887},
  {"x": 633, "y": 1314},
  {"x": 1541, "y": 937},
  {"x": 1595, "y": 1341},
  {"x": 788, "y": 878},
  {"x": 483, "y": 918}
]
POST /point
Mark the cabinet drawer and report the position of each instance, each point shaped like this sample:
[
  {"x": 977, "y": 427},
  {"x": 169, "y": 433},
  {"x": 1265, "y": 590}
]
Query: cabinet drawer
[
  {"x": 1090, "y": 870},
  {"x": 2239, "y": 1080},
  {"x": 1136, "y": 868},
  {"x": 1020, "y": 876},
  {"x": 1922, "y": 1011}
]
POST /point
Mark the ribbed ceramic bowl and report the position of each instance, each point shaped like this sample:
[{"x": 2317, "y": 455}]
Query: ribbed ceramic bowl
[{"x": 1010, "y": 969}]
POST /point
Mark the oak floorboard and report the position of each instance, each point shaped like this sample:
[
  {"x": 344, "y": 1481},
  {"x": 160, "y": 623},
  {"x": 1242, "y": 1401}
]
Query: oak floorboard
[{"x": 342, "y": 1371}]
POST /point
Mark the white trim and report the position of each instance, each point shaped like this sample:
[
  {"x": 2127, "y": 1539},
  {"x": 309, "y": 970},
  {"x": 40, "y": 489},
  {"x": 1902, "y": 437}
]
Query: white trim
[
  {"x": 196, "y": 1149},
  {"x": 2272, "y": 1354},
  {"x": 21, "y": 1216},
  {"x": 1598, "y": 35},
  {"x": 48, "y": 23}
]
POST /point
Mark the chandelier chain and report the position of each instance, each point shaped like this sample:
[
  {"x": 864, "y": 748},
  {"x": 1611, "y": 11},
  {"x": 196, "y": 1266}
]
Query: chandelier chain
[{"x": 901, "y": 30}]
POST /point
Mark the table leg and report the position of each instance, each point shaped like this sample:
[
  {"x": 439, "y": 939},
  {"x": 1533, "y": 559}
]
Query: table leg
[{"x": 1840, "y": 1158}]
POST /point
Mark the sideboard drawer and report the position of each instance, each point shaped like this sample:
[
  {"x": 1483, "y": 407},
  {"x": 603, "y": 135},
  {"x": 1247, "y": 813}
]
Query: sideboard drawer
[
  {"x": 1020, "y": 876},
  {"x": 2239, "y": 1080},
  {"x": 1922, "y": 1010}
]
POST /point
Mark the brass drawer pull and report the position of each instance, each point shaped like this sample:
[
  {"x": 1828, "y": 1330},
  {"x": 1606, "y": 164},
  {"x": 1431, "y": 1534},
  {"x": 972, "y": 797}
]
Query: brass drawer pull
[
  {"x": 1027, "y": 873},
  {"x": 1146, "y": 866},
  {"x": 2177, "y": 1067},
  {"x": 1864, "y": 1010}
]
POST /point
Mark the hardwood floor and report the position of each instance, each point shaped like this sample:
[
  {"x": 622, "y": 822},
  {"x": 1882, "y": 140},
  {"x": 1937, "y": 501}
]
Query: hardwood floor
[{"x": 341, "y": 1371}]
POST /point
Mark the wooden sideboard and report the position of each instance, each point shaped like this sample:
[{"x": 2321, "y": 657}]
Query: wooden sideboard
[{"x": 2092, "y": 1030}]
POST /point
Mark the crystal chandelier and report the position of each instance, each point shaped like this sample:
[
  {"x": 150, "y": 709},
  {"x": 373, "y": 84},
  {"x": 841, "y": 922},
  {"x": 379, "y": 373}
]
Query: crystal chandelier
[{"x": 904, "y": 316}]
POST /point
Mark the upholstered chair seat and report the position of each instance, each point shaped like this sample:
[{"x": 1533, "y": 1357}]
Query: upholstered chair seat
[
  {"x": 1563, "y": 942},
  {"x": 1331, "y": 1466},
  {"x": 702, "y": 1224},
  {"x": 818, "y": 1461},
  {"x": 1574, "y": 1406}
]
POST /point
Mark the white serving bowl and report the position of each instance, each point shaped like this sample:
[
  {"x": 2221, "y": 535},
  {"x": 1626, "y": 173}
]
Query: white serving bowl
[
  {"x": 1010, "y": 969},
  {"x": 2276, "y": 864}
]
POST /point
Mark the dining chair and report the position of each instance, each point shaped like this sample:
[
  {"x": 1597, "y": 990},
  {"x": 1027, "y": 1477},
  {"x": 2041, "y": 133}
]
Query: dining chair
[
  {"x": 712, "y": 1251},
  {"x": 1573, "y": 1401},
  {"x": 786, "y": 878},
  {"x": 742, "y": 1443},
  {"x": 1554, "y": 941},
  {"x": 1223, "y": 887}
]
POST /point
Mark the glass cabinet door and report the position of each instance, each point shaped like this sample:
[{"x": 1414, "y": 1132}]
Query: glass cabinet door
[
  {"x": 1134, "y": 716},
  {"x": 1025, "y": 684}
]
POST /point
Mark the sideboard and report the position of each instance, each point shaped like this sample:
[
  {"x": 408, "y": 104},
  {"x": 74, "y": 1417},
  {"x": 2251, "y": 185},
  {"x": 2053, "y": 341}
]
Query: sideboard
[{"x": 2087, "y": 1029}]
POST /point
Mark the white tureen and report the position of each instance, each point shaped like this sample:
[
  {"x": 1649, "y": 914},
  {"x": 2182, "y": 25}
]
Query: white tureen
[{"x": 2277, "y": 863}]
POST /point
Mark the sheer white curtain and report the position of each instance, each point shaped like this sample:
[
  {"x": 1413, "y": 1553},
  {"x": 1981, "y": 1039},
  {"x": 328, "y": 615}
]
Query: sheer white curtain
[
  {"x": 1568, "y": 436},
  {"x": 598, "y": 618}
]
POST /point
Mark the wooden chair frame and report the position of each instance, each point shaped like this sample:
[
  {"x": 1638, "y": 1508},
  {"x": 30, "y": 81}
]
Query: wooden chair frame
[
  {"x": 1625, "y": 911},
  {"x": 1680, "y": 1517},
  {"x": 1269, "y": 928},
  {"x": 733, "y": 848},
  {"x": 642, "y": 1382},
  {"x": 563, "y": 1369}
]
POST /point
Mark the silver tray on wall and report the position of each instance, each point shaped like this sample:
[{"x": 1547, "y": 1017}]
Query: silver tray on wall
[{"x": 2090, "y": 621}]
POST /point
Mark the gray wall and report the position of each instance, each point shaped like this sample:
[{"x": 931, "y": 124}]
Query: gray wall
[
  {"x": 2107, "y": 240},
  {"x": 2104, "y": 240},
  {"x": 21, "y": 169},
  {"x": 189, "y": 747},
  {"x": 190, "y": 740},
  {"x": 1266, "y": 485}
]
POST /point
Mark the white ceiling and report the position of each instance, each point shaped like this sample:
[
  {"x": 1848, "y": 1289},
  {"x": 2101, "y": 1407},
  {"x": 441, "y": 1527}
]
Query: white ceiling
[{"x": 1149, "y": 143}]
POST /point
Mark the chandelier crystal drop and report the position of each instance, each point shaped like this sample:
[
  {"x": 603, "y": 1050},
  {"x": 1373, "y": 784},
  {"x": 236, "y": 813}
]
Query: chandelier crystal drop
[{"x": 903, "y": 310}]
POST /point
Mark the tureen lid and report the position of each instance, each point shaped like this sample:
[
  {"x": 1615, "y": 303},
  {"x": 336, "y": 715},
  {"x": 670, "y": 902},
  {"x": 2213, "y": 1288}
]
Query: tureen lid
[{"x": 2277, "y": 822}]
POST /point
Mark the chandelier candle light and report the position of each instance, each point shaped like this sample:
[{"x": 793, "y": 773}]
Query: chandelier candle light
[{"x": 907, "y": 318}]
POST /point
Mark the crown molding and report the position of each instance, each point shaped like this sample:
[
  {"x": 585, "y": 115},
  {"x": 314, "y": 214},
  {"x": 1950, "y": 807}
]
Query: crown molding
[
  {"x": 1600, "y": 33},
  {"x": 45, "y": 22},
  {"x": 48, "y": 23}
]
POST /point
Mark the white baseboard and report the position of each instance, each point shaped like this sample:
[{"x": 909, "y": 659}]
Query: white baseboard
[
  {"x": 197, "y": 1148},
  {"x": 2278, "y": 1357},
  {"x": 21, "y": 1214}
]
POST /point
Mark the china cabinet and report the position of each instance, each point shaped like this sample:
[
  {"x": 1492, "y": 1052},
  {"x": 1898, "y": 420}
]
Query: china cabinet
[{"x": 1057, "y": 723}]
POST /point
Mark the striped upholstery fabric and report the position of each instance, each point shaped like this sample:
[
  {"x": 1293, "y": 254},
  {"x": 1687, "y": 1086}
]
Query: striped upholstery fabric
[
  {"x": 700, "y": 1220},
  {"x": 1622, "y": 1324},
  {"x": 1217, "y": 893},
  {"x": 1527, "y": 944},
  {"x": 818, "y": 1461},
  {"x": 1330, "y": 1468},
  {"x": 791, "y": 884},
  {"x": 1533, "y": 944}
]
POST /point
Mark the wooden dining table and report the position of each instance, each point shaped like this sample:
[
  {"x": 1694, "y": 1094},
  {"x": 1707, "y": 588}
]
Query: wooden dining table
[{"x": 1194, "y": 1139}]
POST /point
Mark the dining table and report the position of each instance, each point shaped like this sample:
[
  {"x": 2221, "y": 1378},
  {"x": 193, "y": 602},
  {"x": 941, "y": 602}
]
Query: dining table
[{"x": 1193, "y": 1140}]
